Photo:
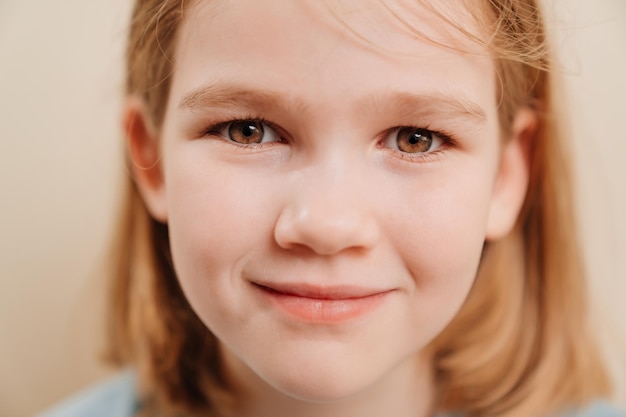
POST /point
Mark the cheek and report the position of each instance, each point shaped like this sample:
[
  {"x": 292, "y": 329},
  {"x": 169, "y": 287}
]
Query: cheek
[
  {"x": 218, "y": 218},
  {"x": 215, "y": 210},
  {"x": 439, "y": 233}
]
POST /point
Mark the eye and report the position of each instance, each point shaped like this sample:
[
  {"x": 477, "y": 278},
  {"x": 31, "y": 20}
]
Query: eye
[
  {"x": 413, "y": 140},
  {"x": 249, "y": 132}
]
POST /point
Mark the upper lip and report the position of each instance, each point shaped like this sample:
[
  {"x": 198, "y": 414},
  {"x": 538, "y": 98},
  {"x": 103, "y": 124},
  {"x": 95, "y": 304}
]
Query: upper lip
[{"x": 322, "y": 292}]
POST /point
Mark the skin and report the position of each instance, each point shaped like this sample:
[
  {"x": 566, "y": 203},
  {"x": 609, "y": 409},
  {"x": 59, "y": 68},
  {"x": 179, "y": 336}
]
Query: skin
[{"x": 331, "y": 202}]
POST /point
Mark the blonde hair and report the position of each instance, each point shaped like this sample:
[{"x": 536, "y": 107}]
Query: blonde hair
[{"x": 520, "y": 345}]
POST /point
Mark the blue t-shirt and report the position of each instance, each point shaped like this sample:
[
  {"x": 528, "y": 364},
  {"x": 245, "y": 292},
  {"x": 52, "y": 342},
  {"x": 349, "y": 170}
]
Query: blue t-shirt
[{"x": 117, "y": 397}]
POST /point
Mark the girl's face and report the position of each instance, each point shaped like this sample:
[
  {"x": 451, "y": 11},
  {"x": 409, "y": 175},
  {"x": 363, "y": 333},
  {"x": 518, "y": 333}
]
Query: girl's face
[{"x": 328, "y": 185}]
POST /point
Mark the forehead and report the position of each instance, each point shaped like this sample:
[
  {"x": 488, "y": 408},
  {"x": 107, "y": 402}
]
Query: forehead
[
  {"x": 328, "y": 50},
  {"x": 372, "y": 21}
]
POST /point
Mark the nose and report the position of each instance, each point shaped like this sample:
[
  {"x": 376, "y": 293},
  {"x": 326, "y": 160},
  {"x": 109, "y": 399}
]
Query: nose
[{"x": 327, "y": 214}]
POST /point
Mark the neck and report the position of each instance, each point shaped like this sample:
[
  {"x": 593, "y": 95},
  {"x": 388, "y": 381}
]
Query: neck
[{"x": 406, "y": 391}]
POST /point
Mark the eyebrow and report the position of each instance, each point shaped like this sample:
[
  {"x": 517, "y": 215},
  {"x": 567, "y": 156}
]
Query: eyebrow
[
  {"x": 218, "y": 95},
  {"x": 408, "y": 105},
  {"x": 400, "y": 104}
]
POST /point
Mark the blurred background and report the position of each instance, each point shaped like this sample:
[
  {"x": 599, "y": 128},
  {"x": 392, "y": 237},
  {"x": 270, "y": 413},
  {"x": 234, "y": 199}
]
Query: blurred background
[{"x": 61, "y": 167}]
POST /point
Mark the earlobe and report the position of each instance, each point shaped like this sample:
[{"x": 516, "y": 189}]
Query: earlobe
[
  {"x": 513, "y": 175},
  {"x": 144, "y": 154}
]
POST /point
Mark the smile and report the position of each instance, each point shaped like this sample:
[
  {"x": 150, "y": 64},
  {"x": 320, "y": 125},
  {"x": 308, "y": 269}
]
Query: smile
[{"x": 322, "y": 304}]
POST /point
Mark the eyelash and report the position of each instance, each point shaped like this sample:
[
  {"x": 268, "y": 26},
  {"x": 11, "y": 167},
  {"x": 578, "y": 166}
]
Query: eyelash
[
  {"x": 216, "y": 129},
  {"x": 448, "y": 140}
]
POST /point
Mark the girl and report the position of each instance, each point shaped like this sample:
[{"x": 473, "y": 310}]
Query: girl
[{"x": 353, "y": 208}]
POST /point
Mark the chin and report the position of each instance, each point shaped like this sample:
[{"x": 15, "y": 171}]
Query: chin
[
  {"x": 318, "y": 391},
  {"x": 321, "y": 381}
]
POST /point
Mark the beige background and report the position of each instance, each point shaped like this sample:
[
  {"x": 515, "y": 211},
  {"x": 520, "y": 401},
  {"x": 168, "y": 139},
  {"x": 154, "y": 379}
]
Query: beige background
[{"x": 60, "y": 165}]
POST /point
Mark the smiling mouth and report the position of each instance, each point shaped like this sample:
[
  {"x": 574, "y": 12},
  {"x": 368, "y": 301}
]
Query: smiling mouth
[{"x": 321, "y": 305}]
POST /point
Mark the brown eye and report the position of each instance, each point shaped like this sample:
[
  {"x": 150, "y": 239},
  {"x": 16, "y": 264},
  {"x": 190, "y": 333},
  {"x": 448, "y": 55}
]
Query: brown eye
[
  {"x": 246, "y": 132},
  {"x": 414, "y": 140}
]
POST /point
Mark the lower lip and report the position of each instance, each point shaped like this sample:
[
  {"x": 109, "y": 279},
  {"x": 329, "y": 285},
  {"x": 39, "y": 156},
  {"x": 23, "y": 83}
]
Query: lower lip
[{"x": 317, "y": 310}]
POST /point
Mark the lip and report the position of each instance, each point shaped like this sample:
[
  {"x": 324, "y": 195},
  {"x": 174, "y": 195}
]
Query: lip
[{"x": 322, "y": 304}]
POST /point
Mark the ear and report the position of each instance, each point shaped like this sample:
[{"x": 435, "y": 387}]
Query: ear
[
  {"x": 145, "y": 156},
  {"x": 513, "y": 173}
]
